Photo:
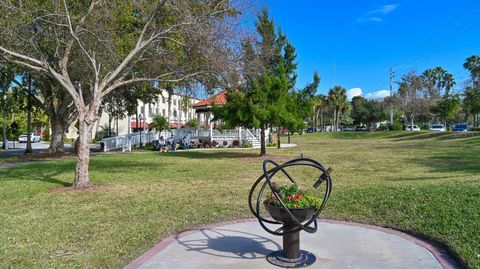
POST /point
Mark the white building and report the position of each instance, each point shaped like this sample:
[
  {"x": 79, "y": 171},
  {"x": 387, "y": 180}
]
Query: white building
[{"x": 145, "y": 112}]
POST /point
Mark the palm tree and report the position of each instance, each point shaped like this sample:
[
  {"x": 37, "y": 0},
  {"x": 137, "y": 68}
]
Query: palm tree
[
  {"x": 169, "y": 89},
  {"x": 472, "y": 64},
  {"x": 448, "y": 82},
  {"x": 159, "y": 123},
  {"x": 321, "y": 104},
  {"x": 439, "y": 79},
  {"x": 337, "y": 99},
  {"x": 185, "y": 105}
]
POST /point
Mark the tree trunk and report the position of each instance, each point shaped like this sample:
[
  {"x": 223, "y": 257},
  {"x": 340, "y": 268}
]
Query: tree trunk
[
  {"x": 83, "y": 152},
  {"x": 278, "y": 137},
  {"x": 57, "y": 137},
  {"x": 5, "y": 141},
  {"x": 334, "y": 120},
  {"x": 109, "y": 132},
  {"x": 322, "y": 124},
  {"x": 288, "y": 136},
  {"x": 263, "y": 148},
  {"x": 28, "y": 149}
]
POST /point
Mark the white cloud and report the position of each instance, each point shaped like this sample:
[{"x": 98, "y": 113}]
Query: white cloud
[
  {"x": 354, "y": 92},
  {"x": 384, "y": 9},
  {"x": 376, "y": 14},
  {"x": 378, "y": 94}
]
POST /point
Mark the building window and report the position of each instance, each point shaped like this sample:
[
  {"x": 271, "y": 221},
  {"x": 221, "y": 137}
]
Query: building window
[
  {"x": 163, "y": 100},
  {"x": 179, "y": 114},
  {"x": 142, "y": 110},
  {"x": 175, "y": 102},
  {"x": 157, "y": 111},
  {"x": 174, "y": 113},
  {"x": 164, "y": 112},
  {"x": 150, "y": 110}
]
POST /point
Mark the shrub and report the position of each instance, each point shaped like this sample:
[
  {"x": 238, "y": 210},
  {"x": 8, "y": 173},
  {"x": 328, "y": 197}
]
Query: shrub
[
  {"x": 424, "y": 127},
  {"x": 383, "y": 127},
  {"x": 246, "y": 144},
  {"x": 214, "y": 143},
  {"x": 225, "y": 143},
  {"x": 236, "y": 143},
  {"x": 395, "y": 127},
  {"x": 272, "y": 144}
]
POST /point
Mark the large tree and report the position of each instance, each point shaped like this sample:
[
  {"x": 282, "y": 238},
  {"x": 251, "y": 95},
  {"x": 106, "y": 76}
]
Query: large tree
[
  {"x": 447, "y": 108},
  {"x": 412, "y": 98},
  {"x": 472, "y": 64},
  {"x": 471, "y": 100},
  {"x": 368, "y": 112},
  {"x": 269, "y": 74},
  {"x": 115, "y": 43}
]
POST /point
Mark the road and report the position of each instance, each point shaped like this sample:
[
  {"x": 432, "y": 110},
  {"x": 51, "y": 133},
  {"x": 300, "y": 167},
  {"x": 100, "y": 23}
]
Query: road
[{"x": 19, "y": 149}]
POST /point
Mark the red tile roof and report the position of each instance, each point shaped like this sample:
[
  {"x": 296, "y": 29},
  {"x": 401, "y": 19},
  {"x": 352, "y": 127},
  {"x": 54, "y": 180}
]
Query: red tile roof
[
  {"x": 133, "y": 124},
  {"x": 174, "y": 125},
  {"x": 218, "y": 99}
]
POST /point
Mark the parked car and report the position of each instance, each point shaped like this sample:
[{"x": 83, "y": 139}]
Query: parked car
[
  {"x": 311, "y": 130},
  {"x": 437, "y": 128},
  {"x": 460, "y": 128},
  {"x": 412, "y": 128},
  {"x": 361, "y": 128},
  {"x": 348, "y": 128},
  {"x": 33, "y": 137}
]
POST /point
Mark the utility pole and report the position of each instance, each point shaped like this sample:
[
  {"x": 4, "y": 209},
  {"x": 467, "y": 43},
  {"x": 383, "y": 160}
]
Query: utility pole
[
  {"x": 391, "y": 95},
  {"x": 334, "y": 72}
]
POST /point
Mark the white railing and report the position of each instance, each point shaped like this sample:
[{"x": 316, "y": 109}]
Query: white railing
[{"x": 126, "y": 142}]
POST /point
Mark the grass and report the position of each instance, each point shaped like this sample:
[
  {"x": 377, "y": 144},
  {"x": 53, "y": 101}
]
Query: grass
[{"x": 424, "y": 184}]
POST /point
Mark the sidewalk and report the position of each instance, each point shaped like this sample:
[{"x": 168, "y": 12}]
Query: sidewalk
[{"x": 244, "y": 244}]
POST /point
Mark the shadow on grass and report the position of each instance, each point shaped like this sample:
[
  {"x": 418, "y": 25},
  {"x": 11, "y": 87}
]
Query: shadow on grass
[
  {"x": 46, "y": 172},
  {"x": 415, "y": 178},
  {"x": 211, "y": 154},
  {"x": 456, "y": 158}
]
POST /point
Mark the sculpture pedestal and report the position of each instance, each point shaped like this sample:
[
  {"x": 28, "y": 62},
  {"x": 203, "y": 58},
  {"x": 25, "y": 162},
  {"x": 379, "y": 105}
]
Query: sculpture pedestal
[{"x": 291, "y": 256}]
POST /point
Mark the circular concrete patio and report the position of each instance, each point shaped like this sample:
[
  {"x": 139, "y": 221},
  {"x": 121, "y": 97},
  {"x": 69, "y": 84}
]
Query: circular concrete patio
[{"x": 244, "y": 244}]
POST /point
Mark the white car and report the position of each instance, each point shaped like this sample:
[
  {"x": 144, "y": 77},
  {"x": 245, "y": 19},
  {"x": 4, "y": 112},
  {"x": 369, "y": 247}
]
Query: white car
[
  {"x": 437, "y": 128},
  {"x": 33, "y": 137},
  {"x": 412, "y": 128}
]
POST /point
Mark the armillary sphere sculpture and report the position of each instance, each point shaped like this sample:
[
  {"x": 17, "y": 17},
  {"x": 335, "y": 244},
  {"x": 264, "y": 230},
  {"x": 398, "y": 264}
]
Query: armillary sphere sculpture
[{"x": 292, "y": 220}]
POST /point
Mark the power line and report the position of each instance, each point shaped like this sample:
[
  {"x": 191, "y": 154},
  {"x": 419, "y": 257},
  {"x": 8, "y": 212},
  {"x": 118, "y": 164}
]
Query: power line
[
  {"x": 446, "y": 42},
  {"x": 460, "y": 30},
  {"x": 444, "y": 27}
]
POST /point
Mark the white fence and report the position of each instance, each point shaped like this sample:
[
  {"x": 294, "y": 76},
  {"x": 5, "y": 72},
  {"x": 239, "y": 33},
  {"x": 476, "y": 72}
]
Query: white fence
[{"x": 126, "y": 142}]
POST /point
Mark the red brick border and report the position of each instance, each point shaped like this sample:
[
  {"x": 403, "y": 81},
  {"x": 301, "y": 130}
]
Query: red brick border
[{"x": 441, "y": 254}]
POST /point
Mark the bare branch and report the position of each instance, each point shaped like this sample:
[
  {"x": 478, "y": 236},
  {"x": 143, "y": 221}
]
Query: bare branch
[
  {"x": 158, "y": 78},
  {"x": 25, "y": 60}
]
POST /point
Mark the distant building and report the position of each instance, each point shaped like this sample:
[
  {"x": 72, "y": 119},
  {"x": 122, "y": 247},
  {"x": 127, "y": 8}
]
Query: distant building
[
  {"x": 203, "y": 109},
  {"x": 145, "y": 112}
]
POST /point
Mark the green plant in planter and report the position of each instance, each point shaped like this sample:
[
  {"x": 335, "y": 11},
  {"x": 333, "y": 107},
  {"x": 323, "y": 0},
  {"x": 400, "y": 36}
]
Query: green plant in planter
[{"x": 292, "y": 197}]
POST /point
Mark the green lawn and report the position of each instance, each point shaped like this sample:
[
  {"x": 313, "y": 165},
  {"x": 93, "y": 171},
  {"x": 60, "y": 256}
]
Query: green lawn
[{"x": 424, "y": 184}]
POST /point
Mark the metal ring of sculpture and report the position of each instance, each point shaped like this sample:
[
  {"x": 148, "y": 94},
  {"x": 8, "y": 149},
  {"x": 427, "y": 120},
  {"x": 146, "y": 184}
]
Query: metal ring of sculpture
[{"x": 291, "y": 257}]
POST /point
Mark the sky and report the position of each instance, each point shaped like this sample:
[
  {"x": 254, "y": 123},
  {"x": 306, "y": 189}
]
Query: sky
[{"x": 354, "y": 43}]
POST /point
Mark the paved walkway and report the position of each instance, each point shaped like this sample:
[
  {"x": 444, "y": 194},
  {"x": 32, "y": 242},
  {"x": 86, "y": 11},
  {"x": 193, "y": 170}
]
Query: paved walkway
[{"x": 336, "y": 245}]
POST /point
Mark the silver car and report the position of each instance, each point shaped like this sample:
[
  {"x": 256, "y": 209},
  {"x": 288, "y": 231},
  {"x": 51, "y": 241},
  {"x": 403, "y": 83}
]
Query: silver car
[{"x": 437, "y": 128}]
